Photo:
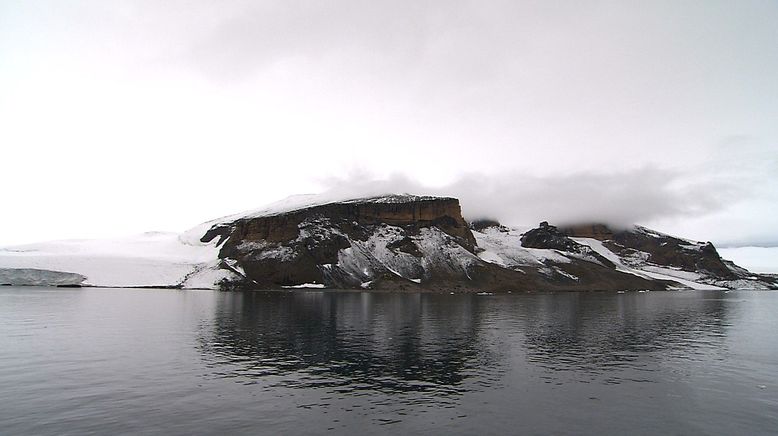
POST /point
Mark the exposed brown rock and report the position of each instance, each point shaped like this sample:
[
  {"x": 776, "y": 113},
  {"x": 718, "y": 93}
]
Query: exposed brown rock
[
  {"x": 548, "y": 236},
  {"x": 296, "y": 246},
  {"x": 443, "y": 213}
]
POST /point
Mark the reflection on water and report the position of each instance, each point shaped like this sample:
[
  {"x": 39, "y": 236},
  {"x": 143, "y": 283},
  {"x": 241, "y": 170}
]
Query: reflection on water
[
  {"x": 601, "y": 335},
  {"x": 82, "y": 361},
  {"x": 355, "y": 342},
  {"x": 422, "y": 342}
]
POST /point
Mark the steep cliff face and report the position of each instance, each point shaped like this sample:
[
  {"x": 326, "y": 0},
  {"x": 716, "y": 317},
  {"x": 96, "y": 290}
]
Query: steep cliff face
[
  {"x": 411, "y": 212},
  {"x": 350, "y": 243}
]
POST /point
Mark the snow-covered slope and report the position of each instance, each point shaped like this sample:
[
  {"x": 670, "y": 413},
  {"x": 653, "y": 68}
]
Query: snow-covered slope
[
  {"x": 148, "y": 259},
  {"x": 378, "y": 258},
  {"x": 685, "y": 279},
  {"x": 38, "y": 277},
  {"x": 503, "y": 247}
]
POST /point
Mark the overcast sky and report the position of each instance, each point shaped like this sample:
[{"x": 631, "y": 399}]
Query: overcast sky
[{"x": 125, "y": 116}]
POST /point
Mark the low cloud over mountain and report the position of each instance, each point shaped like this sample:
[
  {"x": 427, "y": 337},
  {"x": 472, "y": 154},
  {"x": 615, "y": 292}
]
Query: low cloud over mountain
[{"x": 619, "y": 198}]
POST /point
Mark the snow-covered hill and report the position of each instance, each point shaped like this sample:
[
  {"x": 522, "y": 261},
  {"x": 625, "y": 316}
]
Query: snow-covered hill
[{"x": 151, "y": 259}]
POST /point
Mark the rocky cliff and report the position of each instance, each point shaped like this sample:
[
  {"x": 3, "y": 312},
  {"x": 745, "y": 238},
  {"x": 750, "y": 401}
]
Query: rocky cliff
[{"x": 337, "y": 244}]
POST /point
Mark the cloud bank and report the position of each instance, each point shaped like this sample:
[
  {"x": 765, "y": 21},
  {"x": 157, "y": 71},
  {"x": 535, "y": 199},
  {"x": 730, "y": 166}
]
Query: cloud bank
[{"x": 619, "y": 199}]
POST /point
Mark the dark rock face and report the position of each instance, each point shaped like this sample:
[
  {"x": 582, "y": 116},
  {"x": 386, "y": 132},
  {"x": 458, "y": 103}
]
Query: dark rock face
[
  {"x": 674, "y": 252},
  {"x": 415, "y": 213},
  {"x": 661, "y": 249},
  {"x": 548, "y": 236},
  {"x": 303, "y": 246}
]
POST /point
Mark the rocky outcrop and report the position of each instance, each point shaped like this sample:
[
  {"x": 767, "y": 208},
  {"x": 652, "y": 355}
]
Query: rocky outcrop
[
  {"x": 647, "y": 249},
  {"x": 657, "y": 248},
  {"x": 548, "y": 236},
  {"x": 333, "y": 243}
]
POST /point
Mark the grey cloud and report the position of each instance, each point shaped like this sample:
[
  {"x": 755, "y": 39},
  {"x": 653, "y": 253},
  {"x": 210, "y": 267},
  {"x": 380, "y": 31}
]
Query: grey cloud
[{"x": 616, "y": 198}]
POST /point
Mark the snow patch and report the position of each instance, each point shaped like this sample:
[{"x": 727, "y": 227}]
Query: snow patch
[
  {"x": 504, "y": 248},
  {"x": 646, "y": 271}
]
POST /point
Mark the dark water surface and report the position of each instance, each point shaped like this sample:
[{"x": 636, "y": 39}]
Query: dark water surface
[{"x": 122, "y": 361}]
